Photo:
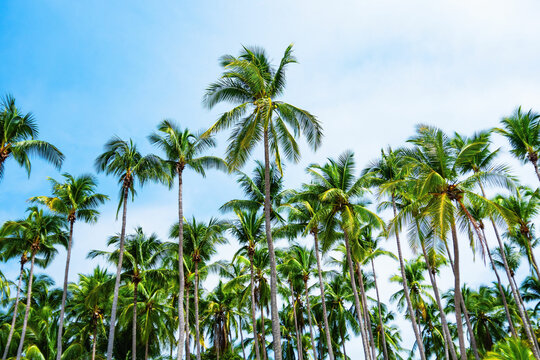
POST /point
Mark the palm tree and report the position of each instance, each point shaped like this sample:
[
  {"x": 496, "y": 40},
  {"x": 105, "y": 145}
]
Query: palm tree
[
  {"x": 183, "y": 148},
  {"x": 18, "y": 133},
  {"x": 253, "y": 85},
  {"x": 201, "y": 240},
  {"x": 218, "y": 317},
  {"x": 522, "y": 130},
  {"x": 75, "y": 199},
  {"x": 123, "y": 160},
  {"x": 41, "y": 232},
  {"x": 510, "y": 349}
]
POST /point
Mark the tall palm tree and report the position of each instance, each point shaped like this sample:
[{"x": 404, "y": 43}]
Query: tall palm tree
[
  {"x": 252, "y": 84},
  {"x": 218, "y": 318},
  {"x": 75, "y": 198},
  {"x": 522, "y": 130},
  {"x": 183, "y": 149},
  {"x": 201, "y": 241},
  {"x": 123, "y": 160},
  {"x": 18, "y": 133},
  {"x": 41, "y": 232}
]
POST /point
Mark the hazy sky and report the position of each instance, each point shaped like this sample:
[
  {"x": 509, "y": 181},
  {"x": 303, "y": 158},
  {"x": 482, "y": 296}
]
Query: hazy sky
[{"x": 370, "y": 71}]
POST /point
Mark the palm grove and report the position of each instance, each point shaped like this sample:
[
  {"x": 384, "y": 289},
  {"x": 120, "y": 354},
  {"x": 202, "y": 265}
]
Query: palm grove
[{"x": 437, "y": 195}]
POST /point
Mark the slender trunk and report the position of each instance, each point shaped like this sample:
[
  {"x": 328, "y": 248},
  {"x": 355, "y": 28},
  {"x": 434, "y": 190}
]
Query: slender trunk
[
  {"x": 446, "y": 331},
  {"x": 263, "y": 333},
  {"x": 94, "y": 342},
  {"x": 533, "y": 161},
  {"x": 64, "y": 294},
  {"x": 188, "y": 354},
  {"x": 412, "y": 316},
  {"x": 15, "y": 308},
  {"x": 197, "y": 334},
  {"x": 28, "y": 304},
  {"x": 527, "y": 318},
  {"x": 241, "y": 337},
  {"x": 253, "y": 316},
  {"x": 309, "y": 318},
  {"x": 146, "y": 350},
  {"x": 114, "y": 307},
  {"x": 367, "y": 316},
  {"x": 343, "y": 347},
  {"x": 134, "y": 325},
  {"x": 367, "y": 353},
  {"x": 457, "y": 295},
  {"x": 276, "y": 331},
  {"x": 181, "y": 322},
  {"x": 462, "y": 303},
  {"x": 323, "y": 301},
  {"x": 298, "y": 336},
  {"x": 383, "y": 333},
  {"x": 531, "y": 257}
]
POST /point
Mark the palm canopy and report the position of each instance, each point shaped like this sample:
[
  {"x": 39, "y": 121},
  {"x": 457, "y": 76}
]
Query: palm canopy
[
  {"x": 122, "y": 159},
  {"x": 253, "y": 84},
  {"x": 522, "y": 130},
  {"x": 183, "y": 148},
  {"x": 18, "y": 133},
  {"x": 75, "y": 197}
]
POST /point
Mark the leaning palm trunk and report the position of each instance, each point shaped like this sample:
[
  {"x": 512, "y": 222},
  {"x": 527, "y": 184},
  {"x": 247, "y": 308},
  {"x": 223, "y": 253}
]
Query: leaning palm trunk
[
  {"x": 276, "y": 331},
  {"x": 449, "y": 344},
  {"x": 134, "y": 325},
  {"x": 406, "y": 291},
  {"x": 15, "y": 308},
  {"x": 309, "y": 318},
  {"x": 383, "y": 333},
  {"x": 118, "y": 272},
  {"x": 298, "y": 335},
  {"x": 323, "y": 301},
  {"x": 197, "y": 334},
  {"x": 533, "y": 158},
  {"x": 64, "y": 293},
  {"x": 253, "y": 316},
  {"x": 359, "y": 313},
  {"x": 367, "y": 316},
  {"x": 28, "y": 303},
  {"x": 181, "y": 322}
]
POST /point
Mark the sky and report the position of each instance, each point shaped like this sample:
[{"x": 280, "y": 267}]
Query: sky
[{"x": 369, "y": 70}]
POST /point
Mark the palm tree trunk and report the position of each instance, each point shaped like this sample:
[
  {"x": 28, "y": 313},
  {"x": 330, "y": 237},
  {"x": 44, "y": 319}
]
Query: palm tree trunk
[
  {"x": 367, "y": 353},
  {"x": 457, "y": 295},
  {"x": 241, "y": 337},
  {"x": 253, "y": 316},
  {"x": 384, "y": 346},
  {"x": 367, "y": 316},
  {"x": 134, "y": 325},
  {"x": 276, "y": 331},
  {"x": 94, "y": 342},
  {"x": 146, "y": 350},
  {"x": 298, "y": 337},
  {"x": 28, "y": 305},
  {"x": 263, "y": 332},
  {"x": 181, "y": 322},
  {"x": 527, "y": 318},
  {"x": 114, "y": 307},
  {"x": 197, "y": 334},
  {"x": 343, "y": 347},
  {"x": 410, "y": 309},
  {"x": 530, "y": 256},
  {"x": 15, "y": 308},
  {"x": 309, "y": 318},
  {"x": 463, "y": 308},
  {"x": 447, "y": 336},
  {"x": 533, "y": 161},
  {"x": 323, "y": 301},
  {"x": 64, "y": 293},
  {"x": 188, "y": 354}
]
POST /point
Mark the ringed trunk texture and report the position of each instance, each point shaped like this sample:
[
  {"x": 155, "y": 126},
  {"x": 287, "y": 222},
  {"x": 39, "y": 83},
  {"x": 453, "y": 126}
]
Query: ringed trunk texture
[
  {"x": 298, "y": 336},
  {"x": 253, "y": 316},
  {"x": 181, "y": 322},
  {"x": 134, "y": 325},
  {"x": 410, "y": 309},
  {"x": 323, "y": 301},
  {"x": 15, "y": 309},
  {"x": 276, "y": 331},
  {"x": 188, "y": 354},
  {"x": 28, "y": 304},
  {"x": 197, "y": 331},
  {"x": 384, "y": 346},
  {"x": 64, "y": 293},
  {"x": 114, "y": 308},
  {"x": 310, "y": 323},
  {"x": 365, "y": 343}
]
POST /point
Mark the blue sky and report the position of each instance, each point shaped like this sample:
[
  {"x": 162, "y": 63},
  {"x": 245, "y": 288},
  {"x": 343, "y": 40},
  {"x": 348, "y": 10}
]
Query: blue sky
[{"x": 369, "y": 70}]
